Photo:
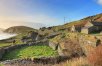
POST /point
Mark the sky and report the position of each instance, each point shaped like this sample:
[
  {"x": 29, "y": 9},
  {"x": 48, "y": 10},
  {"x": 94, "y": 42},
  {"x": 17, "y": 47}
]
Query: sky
[{"x": 46, "y": 12}]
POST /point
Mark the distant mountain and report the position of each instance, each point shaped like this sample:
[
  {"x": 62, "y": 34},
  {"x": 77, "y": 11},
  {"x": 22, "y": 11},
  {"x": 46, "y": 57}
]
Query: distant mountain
[
  {"x": 19, "y": 29},
  {"x": 1, "y": 30}
]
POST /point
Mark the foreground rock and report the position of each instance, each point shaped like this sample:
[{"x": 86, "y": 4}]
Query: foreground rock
[
  {"x": 74, "y": 44},
  {"x": 35, "y": 61}
]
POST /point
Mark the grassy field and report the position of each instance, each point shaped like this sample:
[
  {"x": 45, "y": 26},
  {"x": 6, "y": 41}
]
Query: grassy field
[
  {"x": 30, "y": 52},
  {"x": 4, "y": 44},
  {"x": 1, "y": 65}
]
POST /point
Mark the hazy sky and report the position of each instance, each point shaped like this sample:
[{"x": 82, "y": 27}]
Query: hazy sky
[{"x": 49, "y": 12}]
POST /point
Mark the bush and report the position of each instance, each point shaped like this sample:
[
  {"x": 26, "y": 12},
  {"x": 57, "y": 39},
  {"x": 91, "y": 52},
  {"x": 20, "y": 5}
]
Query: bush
[{"x": 95, "y": 57}]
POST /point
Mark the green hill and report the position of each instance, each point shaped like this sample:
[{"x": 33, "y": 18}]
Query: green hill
[{"x": 19, "y": 29}]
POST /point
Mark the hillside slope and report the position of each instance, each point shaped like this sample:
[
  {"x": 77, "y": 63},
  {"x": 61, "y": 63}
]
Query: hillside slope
[
  {"x": 82, "y": 22},
  {"x": 96, "y": 18}
]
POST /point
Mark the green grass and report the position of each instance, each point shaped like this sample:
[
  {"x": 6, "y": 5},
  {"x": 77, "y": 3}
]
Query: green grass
[
  {"x": 1, "y": 65},
  {"x": 30, "y": 52},
  {"x": 5, "y": 44}
]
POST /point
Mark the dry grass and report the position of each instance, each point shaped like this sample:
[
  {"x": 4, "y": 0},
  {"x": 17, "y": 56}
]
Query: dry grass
[
  {"x": 77, "y": 62},
  {"x": 95, "y": 57}
]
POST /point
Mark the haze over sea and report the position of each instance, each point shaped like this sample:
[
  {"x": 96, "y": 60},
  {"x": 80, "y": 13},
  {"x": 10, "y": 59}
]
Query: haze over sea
[{"x": 5, "y": 35}]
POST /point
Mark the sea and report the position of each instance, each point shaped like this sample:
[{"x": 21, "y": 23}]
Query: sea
[{"x": 6, "y": 35}]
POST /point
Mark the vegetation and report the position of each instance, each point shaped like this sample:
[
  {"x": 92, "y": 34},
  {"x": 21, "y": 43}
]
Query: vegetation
[
  {"x": 1, "y": 65},
  {"x": 30, "y": 52},
  {"x": 82, "y": 61},
  {"x": 67, "y": 38},
  {"x": 95, "y": 57},
  {"x": 19, "y": 29},
  {"x": 63, "y": 36},
  {"x": 82, "y": 22},
  {"x": 4, "y": 44},
  {"x": 8, "y": 42}
]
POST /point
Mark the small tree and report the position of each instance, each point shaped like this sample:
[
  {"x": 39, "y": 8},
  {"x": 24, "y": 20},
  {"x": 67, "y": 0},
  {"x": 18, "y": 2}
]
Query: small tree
[{"x": 43, "y": 28}]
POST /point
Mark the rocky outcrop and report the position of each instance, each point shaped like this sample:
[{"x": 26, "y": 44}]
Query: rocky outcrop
[
  {"x": 53, "y": 45},
  {"x": 74, "y": 44},
  {"x": 88, "y": 43}
]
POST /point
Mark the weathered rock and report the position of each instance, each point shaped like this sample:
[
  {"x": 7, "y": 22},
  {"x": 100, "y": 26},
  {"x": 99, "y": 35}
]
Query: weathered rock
[
  {"x": 53, "y": 45},
  {"x": 75, "y": 44}
]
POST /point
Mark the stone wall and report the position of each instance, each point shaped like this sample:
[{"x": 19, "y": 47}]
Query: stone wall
[
  {"x": 4, "y": 50},
  {"x": 87, "y": 43},
  {"x": 42, "y": 60}
]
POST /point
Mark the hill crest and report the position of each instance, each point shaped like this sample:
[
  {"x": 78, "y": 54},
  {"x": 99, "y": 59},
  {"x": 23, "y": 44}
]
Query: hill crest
[{"x": 18, "y": 29}]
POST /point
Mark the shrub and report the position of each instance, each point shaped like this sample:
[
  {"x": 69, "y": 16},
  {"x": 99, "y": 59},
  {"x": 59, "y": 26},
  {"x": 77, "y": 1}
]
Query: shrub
[{"x": 95, "y": 57}]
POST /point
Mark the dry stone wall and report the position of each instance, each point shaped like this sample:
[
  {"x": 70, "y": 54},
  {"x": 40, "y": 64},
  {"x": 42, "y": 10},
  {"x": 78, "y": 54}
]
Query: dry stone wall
[{"x": 4, "y": 50}]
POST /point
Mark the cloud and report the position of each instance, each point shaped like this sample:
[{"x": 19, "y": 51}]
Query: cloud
[
  {"x": 8, "y": 24},
  {"x": 36, "y": 21},
  {"x": 99, "y": 2},
  {"x": 17, "y": 12},
  {"x": 37, "y": 18}
]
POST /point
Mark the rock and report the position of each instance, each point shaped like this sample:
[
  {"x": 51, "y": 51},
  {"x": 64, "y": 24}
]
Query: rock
[{"x": 53, "y": 45}]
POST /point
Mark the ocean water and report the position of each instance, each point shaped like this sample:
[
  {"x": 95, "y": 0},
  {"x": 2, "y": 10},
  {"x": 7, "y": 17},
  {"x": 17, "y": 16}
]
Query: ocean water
[{"x": 6, "y": 36}]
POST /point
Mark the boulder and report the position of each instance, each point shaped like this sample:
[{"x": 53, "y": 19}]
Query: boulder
[{"x": 53, "y": 45}]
